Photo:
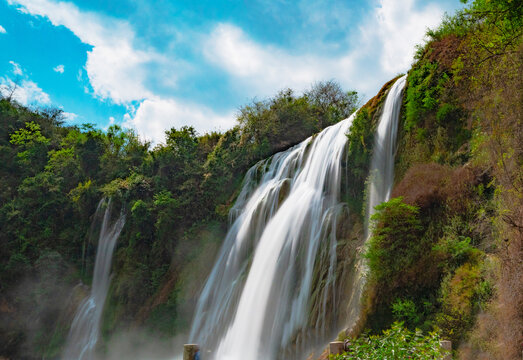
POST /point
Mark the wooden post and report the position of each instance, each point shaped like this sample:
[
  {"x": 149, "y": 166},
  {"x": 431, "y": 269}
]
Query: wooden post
[
  {"x": 336, "y": 348},
  {"x": 446, "y": 345},
  {"x": 190, "y": 351}
]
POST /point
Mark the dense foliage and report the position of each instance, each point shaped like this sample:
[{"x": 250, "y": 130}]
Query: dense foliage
[
  {"x": 446, "y": 253},
  {"x": 176, "y": 197},
  {"x": 396, "y": 343}
]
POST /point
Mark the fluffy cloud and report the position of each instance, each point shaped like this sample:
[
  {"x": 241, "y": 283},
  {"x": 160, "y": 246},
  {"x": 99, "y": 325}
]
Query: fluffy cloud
[
  {"x": 23, "y": 90},
  {"x": 400, "y": 28},
  {"x": 59, "y": 69},
  {"x": 156, "y": 115},
  {"x": 386, "y": 39},
  {"x": 117, "y": 70},
  {"x": 264, "y": 69},
  {"x": 2, "y": 30},
  {"x": 121, "y": 70},
  {"x": 115, "y": 67},
  {"x": 69, "y": 116},
  {"x": 26, "y": 92}
]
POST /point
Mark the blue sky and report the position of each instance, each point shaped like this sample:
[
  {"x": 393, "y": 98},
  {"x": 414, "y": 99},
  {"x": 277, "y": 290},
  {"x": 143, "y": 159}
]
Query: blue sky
[{"x": 153, "y": 65}]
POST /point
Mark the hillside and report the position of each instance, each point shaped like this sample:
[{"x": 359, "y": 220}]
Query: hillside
[
  {"x": 446, "y": 252},
  {"x": 444, "y": 256},
  {"x": 176, "y": 198}
]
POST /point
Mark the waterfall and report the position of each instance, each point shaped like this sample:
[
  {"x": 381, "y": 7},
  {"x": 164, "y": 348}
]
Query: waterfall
[
  {"x": 85, "y": 328},
  {"x": 269, "y": 295},
  {"x": 382, "y": 164},
  {"x": 256, "y": 300},
  {"x": 380, "y": 181}
]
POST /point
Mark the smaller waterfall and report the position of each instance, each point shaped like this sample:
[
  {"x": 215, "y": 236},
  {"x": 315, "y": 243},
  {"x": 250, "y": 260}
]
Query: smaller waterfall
[
  {"x": 382, "y": 164},
  {"x": 381, "y": 178},
  {"x": 85, "y": 328}
]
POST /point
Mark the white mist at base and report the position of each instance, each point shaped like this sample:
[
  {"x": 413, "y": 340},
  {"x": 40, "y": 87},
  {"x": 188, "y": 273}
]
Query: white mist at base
[{"x": 85, "y": 328}]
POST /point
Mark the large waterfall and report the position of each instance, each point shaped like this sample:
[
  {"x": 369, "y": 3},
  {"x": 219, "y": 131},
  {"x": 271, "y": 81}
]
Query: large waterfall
[
  {"x": 264, "y": 298},
  {"x": 256, "y": 299},
  {"x": 85, "y": 328}
]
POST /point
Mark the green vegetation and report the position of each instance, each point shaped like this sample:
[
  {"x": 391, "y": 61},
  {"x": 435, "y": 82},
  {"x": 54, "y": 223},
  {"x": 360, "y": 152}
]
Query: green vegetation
[
  {"x": 394, "y": 343},
  {"x": 176, "y": 197},
  {"x": 395, "y": 243},
  {"x": 445, "y": 252}
]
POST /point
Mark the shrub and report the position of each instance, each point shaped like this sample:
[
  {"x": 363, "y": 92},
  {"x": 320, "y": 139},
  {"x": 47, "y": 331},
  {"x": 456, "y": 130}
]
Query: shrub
[
  {"x": 395, "y": 343},
  {"x": 395, "y": 244},
  {"x": 405, "y": 310},
  {"x": 421, "y": 185},
  {"x": 462, "y": 293}
]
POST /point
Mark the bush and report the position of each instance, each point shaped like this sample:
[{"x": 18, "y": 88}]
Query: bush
[
  {"x": 421, "y": 185},
  {"x": 396, "y": 242},
  {"x": 395, "y": 343},
  {"x": 405, "y": 311},
  {"x": 462, "y": 293}
]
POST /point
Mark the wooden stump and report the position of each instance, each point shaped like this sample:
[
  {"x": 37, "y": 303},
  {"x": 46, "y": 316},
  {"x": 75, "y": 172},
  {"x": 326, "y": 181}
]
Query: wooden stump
[
  {"x": 336, "y": 348},
  {"x": 446, "y": 345},
  {"x": 190, "y": 351}
]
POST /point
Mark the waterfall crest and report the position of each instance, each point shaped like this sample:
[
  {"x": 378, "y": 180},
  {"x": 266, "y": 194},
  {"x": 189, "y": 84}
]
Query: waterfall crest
[
  {"x": 380, "y": 181},
  {"x": 85, "y": 328}
]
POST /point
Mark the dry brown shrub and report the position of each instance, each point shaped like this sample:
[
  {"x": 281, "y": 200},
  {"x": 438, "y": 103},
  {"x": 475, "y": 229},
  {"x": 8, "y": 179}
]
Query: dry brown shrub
[
  {"x": 459, "y": 188},
  {"x": 445, "y": 51},
  {"x": 422, "y": 185},
  {"x": 509, "y": 302}
]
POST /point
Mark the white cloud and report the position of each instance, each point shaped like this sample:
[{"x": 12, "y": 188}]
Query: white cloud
[
  {"x": 69, "y": 116},
  {"x": 25, "y": 92},
  {"x": 400, "y": 28},
  {"x": 115, "y": 68},
  {"x": 59, "y": 69},
  {"x": 120, "y": 70},
  {"x": 2, "y": 30},
  {"x": 17, "y": 69},
  {"x": 384, "y": 47},
  {"x": 264, "y": 69},
  {"x": 156, "y": 115}
]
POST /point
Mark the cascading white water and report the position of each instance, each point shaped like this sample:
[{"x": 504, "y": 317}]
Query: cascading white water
[
  {"x": 256, "y": 303},
  {"x": 381, "y": 179},
  {"x": 257, "y": 296},
  {"x": 85, "y": 328},
  {"x": 384, "y": 150}
]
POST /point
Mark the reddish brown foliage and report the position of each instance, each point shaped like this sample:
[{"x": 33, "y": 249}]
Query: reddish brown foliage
[
  {"x": 422, "y": 185},
  {"x": 426, "y": 185},
  {"x": 459, "y": 189},
  {"x": 445, "y": 51}
]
